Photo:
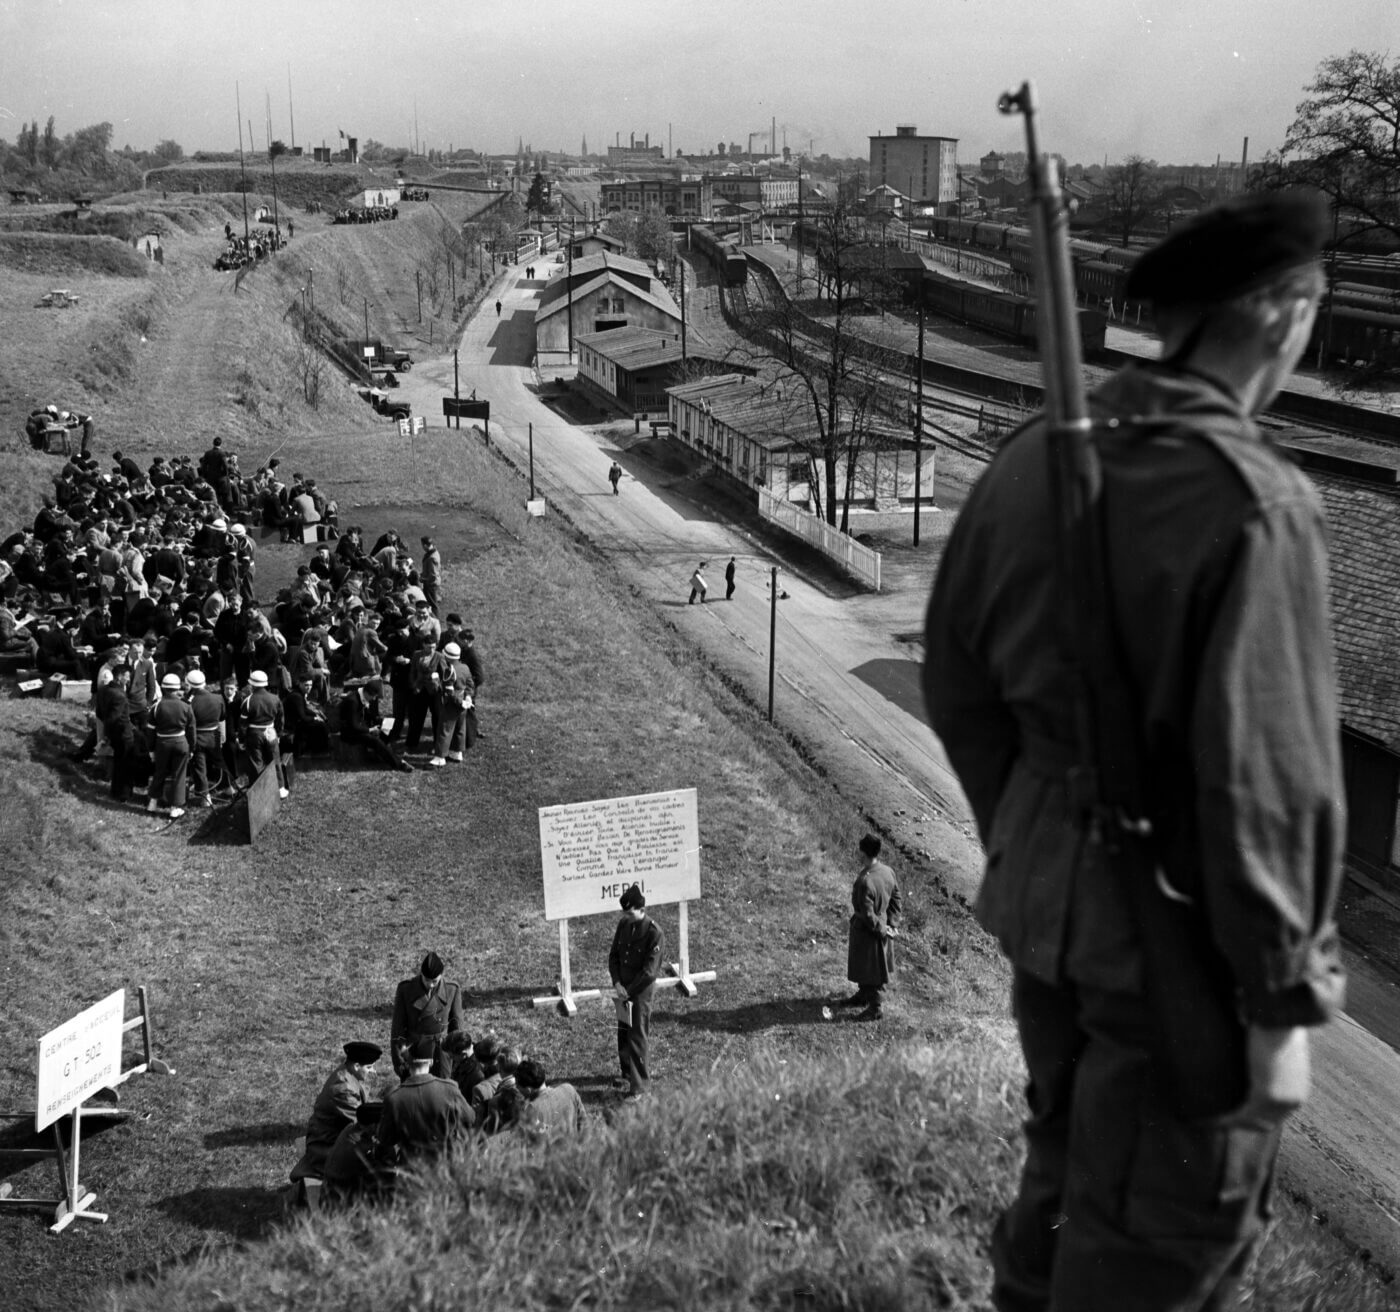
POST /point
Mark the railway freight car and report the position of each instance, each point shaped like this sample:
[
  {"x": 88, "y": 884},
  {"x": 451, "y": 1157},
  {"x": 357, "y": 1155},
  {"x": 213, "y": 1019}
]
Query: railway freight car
[
  {"x": 1355, "y": 335},
  {"x": 729, "y": 264},
  {"x": 1002, "y": 313}
]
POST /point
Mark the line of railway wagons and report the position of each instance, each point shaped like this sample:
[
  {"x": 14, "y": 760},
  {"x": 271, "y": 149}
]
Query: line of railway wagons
[
  {"x": 729, "y": 263},
  {"x": 1361, "y": 323},
  {"x": 1003, "y": 313}
]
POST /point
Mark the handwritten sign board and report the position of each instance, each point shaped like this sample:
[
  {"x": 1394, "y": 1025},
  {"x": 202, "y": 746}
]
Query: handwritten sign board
[
  {"x": 592, "y": 851},
  {"x": 80, "y": 1057}
]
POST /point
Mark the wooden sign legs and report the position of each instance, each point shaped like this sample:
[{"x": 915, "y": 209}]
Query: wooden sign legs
[
  {"x": 75, "y": 1202},
  {"x": 680, "y": 976},
  {"x": 564, "y": 995}
]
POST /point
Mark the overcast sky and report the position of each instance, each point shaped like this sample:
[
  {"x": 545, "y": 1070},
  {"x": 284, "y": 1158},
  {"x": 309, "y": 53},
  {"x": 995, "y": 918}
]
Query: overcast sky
[{"x": 1179, "y": 81}]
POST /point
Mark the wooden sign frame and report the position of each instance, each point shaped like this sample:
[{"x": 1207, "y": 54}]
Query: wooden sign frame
[
  {"x": 679, "y": 974},
  {"x": 76, "y": 1202}
]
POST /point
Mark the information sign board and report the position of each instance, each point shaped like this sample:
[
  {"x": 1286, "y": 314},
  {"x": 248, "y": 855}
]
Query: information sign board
[
  {"x": 592, "y": 851},
  {"x": 80, "y": 1057},
  {"x": 464, "y": 408}
]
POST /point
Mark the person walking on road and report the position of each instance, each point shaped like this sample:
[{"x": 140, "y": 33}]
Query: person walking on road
[
  {"x": 615, "y": 476},
  {"x": 729, "y": 571},
  {"x": 698, "y": 586},
  {"x": 1168, "y": 960},
  {"x": 498, "y": 309}
]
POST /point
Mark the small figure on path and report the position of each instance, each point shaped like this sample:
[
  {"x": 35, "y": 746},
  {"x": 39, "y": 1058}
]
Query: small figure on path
[
  {"x": 729, "y": 570},
  {"x": 615, "y": 476},
  {"x": 498, "y": 309},
  {"x": 698, "y": 586}
]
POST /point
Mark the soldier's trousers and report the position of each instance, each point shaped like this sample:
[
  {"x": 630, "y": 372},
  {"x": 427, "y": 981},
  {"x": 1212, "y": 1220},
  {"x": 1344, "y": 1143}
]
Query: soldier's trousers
[
  {"x": 632, "y": 1044},
  {"x": 1123, "y": 1206},
  {"x": 172, "y": 761}
]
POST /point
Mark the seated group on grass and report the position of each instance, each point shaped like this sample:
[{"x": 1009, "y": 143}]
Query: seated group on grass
[
  {"x": 144, "y": 584},
  {"x": 357, "y": 1143}
]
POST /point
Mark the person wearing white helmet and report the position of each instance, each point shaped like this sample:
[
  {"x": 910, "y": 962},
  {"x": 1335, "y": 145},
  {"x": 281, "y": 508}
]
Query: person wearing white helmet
[
  {"x": 208, "y": 707},
  {"x": 263, "y": 735},
  {"x": 453, "y": 688},
  {"x": 172, "y": 722}
]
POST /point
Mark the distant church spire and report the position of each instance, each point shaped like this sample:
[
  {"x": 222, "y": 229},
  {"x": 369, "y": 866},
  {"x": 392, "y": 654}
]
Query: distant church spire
[{"x": 584, "y": 151}]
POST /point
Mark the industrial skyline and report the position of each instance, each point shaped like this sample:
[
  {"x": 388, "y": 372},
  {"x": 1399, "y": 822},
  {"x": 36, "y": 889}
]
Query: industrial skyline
[{"x": 1175, "y": 80}]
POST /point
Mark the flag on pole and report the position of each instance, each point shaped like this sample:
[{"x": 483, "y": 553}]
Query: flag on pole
[{"x": 342, "y": 133}]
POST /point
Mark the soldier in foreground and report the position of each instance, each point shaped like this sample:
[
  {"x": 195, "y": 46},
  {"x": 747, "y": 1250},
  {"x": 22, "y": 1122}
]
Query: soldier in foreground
[{"x": 1162, "y": 1001}]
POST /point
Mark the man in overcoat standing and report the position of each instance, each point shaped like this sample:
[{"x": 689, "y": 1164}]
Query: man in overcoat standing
[
  {"x": 425, "y": 1007},
  {"x": 869, "y": 952}
]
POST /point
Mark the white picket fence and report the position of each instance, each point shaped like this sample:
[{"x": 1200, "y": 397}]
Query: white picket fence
[{"x": 855, "y": 559}]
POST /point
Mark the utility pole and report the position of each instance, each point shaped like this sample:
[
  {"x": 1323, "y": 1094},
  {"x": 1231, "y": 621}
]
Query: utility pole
[
  {"x": 242, "y": 172},
  {"x": 291, "y": 117},
  {"x": 276, "y": 222},
  {"x": 680, "y": 264},
  {"x": 365, "y": 299},
  {"x": 799, "y": 227},
  {"x": 919, "y": 416},
  {"x": 569, "y": 291},
  {"x": 772, "y": 634}
]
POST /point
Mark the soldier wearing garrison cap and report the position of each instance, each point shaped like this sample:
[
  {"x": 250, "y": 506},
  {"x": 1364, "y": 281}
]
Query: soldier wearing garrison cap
[
  {"x": 1140, "y": 1190},
  {"x": 633, "y": 965},
  {"x": 346, "y": 1089},
  {"x": 426, "y": 1006},
  {"x": 425, "y": 1115}
]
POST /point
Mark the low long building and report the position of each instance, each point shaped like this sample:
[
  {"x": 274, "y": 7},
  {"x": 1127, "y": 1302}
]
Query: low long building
[
  {"x": 760, "y": 434},
  {"x": 634, "y": 366}
]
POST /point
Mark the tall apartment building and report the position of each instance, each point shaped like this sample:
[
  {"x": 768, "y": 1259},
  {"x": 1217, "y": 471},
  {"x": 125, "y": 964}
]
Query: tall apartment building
[{"x": 925, "y": 168}]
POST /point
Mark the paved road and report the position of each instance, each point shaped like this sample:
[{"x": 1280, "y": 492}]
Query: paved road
[{"x": 847, "y": 687}]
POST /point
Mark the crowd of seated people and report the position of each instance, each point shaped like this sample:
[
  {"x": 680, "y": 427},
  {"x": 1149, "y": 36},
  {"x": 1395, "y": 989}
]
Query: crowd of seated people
[
  {"x": 239, "y": 251},
  {"x": 359, "y": 1136},
  {"x": 366, "y": 214},
  {"x": 129, "y": 578}
]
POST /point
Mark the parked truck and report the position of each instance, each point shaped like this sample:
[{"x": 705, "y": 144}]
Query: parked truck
[{"x": 381, "y": 355}]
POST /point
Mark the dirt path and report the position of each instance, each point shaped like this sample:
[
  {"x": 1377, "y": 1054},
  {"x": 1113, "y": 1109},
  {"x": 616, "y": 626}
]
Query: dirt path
[{"x": 189, "y": 365}]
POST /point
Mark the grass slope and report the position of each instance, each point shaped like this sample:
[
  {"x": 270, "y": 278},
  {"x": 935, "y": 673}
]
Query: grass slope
[{"x": 786, "y": 1161}]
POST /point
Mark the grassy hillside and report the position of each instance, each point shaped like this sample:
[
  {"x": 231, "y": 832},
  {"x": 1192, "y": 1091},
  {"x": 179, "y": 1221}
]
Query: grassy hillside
[
  {"x": 785, "y": 1161},
  {"x": 64, "y": 254},
  {"x": 297, "y": 181}
]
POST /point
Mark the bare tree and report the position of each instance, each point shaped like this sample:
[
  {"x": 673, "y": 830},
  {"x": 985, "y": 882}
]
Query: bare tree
[
  {"x": 309, "y": 362},
  {"x": 1347, "y": 137},
  {"x": 840, "y": 377},
  {"x": 1133, "y": 195}
]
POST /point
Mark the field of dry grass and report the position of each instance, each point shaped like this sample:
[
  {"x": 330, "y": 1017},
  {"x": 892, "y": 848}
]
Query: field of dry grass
[{"x": 786, "y": 1160}]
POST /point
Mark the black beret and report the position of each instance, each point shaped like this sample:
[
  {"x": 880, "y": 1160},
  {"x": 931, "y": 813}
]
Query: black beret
[
  {"x": 364, "y": 1053},
  {"x": 1232, "y": 249},
  {"x": 633, "y": 898},
  {"x": 424, "y": 1048},
  {"x": 432, "y": 966}
]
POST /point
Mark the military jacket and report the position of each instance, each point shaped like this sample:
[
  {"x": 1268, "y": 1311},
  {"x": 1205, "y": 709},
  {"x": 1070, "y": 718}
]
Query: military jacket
[{"x": 1217, "y": 566}]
